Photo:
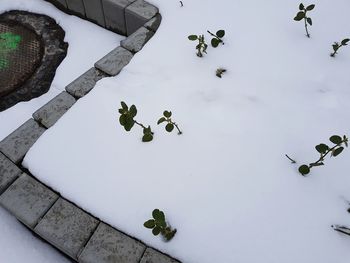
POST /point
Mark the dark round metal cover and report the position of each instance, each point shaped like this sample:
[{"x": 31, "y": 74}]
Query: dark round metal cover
[{"x": 21, "y": 52}]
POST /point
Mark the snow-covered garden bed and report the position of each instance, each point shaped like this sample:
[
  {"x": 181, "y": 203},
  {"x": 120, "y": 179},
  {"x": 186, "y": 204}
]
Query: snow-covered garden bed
[{"x": 225, "y": 183}]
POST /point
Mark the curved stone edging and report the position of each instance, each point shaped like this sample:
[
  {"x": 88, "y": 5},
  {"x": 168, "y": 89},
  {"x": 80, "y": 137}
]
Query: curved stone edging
[{"x": 83, "y": 237}]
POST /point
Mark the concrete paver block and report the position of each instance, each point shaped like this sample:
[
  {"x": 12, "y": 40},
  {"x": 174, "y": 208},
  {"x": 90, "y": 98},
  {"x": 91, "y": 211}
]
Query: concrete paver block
[
  {"x": 108, "y": 245},
  {"x": 114, "y": 11},
  {"x": 28, "y": 200},
  {"x": 114, "y": 61},
  {"x": 8, "y": 172},
  {"x": 54, "y": 109},
  {"x": 137, "y": 14},
  {"x": 153, "y": 256},
  {"x": 137, "y": 40},
  {"x": 67, "y": 227},
  {"x": 154, "y": 23},
  {"x": 94, "y": 11},
  {"x": 84, "y": 83},
  {"x": 16, "y": 145}
]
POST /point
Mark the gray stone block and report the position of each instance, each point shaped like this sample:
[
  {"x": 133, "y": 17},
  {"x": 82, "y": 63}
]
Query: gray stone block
[
  {"x": 16, "y": 145},
  {"x": 76, "y": 7},
  {"x": 114, "y": 11},
  {"x": 137, "y": 14},
  {"x": 54, "y": 109},
  {"x": 86, "y": 82},
  {"x": 28, "y": 200},
  {"x": 154, "y": 23},
  {"x": 114, "y": 61},
  {"x": 94, "y": 11},
  {"x": 153, "y": 256},
  {"x": 8, "y": 172},
  {"x": 66, "y": 227},
  {"x": 137, "y": 40},
  {"x": 108, "y": 245}
]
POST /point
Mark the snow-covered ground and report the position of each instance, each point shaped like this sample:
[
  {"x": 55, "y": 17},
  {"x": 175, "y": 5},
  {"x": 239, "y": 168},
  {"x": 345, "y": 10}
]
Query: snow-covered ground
[
  {"x": 87, "y": 43},
  {"x": 18, "y": 245},
  {"x": 225, "y": 184}
]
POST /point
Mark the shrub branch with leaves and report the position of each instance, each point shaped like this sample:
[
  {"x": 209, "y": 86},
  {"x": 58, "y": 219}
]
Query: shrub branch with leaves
[
  {"x": 127, "y": 120},
  {"x": 324, "y": 150},
  {"x": 302, "y": 14},
  {"x": 202, "y": 45},
  {"x": 336, "y": 46},
  {"x": 217, "y": 38},
  {"x": 170, "y": 124},
  {"x": 159, "y": 225}
]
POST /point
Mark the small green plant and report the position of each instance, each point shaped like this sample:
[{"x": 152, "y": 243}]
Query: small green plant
[
  {"x": 220, "y": 71},
  {"x": 127, "y": 120},
  {"x": 336, "y": 46},
  {"x": 202, "y": 45},
  {"x": 323, "y": 149},
  {"x": 159, "y": 225},
  {"x": 217, "y": 38},
  {"x": 170, "y": 124},
  {"x": 302, "y": 14}
]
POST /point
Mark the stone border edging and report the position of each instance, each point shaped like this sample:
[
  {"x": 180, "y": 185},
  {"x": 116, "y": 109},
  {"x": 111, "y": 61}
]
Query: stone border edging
[{"x": 78, "y": 234}]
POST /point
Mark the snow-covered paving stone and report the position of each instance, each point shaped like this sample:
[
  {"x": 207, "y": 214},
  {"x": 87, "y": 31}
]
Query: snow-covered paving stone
[
  {"x": 54, "y": 109},
  {"x": 28, "y": 200},
  {"x": 17, "y": 144},
  {"x": 87, "y": 43},
  {"x": 84, "y": 83},
  {"x": 114, "y": 61},
  {"x": 66, "y": 227},
  {"x": 108, "y": 245},
  {"x": 8, "y": 172},
  {"x": 225, "y": 183},
  {"x": 19, "y": 245},
  {"x": 137, "y": 40},
  {"x": 153, "y": 256}
]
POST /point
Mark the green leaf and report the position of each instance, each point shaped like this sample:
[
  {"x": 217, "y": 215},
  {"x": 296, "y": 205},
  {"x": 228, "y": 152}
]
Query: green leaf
[
  {"x": 169, "y": 127},
  {"x": 335, "y": 47},
  {"x": 193, "y": 37},
  {"x": 133, "y": 110},
  {"x": 310, "y": 7},
  {"x": 301, "y": 6},
  {"x": 124, "y": 106},
  {"x": 304, "y": 169},
  {"x": 147, "y": 137},
  {"x": 157, "y": 214},
  {"x": 337, "y": 151},
  {"x": 215, "y": 42},
  {"x": 167, "y": 114},
  {"x": 156, "y": 231},
  {"x": 309, "y": 20},
  {"x": 121, "y": 111},
  {"x": 299, "y": 16},
  {"x": 150, "y": 224},
  {"x": 322, "y": 148},
  {"x": 161, "y": 120},
  {"x": 345, "y": 41},
  {"x": 336, "y": 139},
  {"x": 129, "y": 123},
  {"x": 220, "y": 33},
  {"x": 122, "y": 119}
]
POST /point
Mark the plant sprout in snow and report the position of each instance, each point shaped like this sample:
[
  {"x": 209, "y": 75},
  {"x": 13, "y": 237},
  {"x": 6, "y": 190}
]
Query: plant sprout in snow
[
  {"x": 126, "y": 119},
  {"x": 302, "y": 14},
  {"x": 201, "y": 46},
  {"x": 217, "y": 38},
  {"x": 159, "y": 225},
  {"x": 336, "y": 46},
  {"x": 219, "y": 72},
  {"x": 324, "y": 150},
  {"x": 170, "y": 124}
]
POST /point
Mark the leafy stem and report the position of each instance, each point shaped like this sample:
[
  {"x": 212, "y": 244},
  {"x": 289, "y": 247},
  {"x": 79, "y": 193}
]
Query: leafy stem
[
  {"x": 302, "y": 14},
  {"x": 336, "y": 46},
  {"x": 170, "y": 124}
]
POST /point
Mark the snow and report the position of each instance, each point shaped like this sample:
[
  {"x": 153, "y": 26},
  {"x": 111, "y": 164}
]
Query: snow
[
  {"x": 19, "y": 245},
  {"x": 225, "y": 184},
  {"x": 83, "y": 38}
]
